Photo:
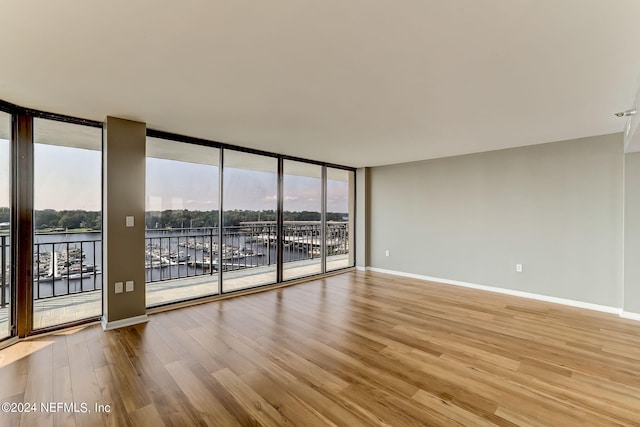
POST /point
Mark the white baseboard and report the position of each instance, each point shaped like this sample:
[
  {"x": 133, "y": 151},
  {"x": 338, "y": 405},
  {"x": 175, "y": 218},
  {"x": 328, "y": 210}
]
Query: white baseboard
[
  {"x": 361, "y": 268},
  {"x": 630, "y": 315},
  {"x": 546, "y": 298},
  {"x": 108, "y": 326}
]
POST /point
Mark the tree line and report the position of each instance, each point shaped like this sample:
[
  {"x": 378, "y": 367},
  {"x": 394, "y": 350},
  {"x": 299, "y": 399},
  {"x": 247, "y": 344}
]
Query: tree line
[
  {"x": 51, "y": 219},
  {"x": 193, "y": 219},
  {"x": 182, "y": 218},
  {"x": 69, "y": 220}
]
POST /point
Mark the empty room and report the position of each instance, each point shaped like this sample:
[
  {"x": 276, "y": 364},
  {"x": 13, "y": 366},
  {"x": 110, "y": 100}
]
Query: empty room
[{"x": 345, "y": 213}]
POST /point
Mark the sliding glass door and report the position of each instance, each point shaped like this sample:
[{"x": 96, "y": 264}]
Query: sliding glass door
[
  {"x": 67, "y": 253},
  {"x": 247, "y": 255},
  {"x": 302, "y": 206},
  {"x": 181, "y": 221},
  {"x": 6, "y": 293},
  {"x": 340, "y": 208}
]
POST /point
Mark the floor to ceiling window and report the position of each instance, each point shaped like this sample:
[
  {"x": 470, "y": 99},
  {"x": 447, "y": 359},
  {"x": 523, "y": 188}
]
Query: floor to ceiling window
[
  {"x": 181, "y": 248},
  {"x": 67, "y": 278},
  {"x": 188, "y": 255},
  {"x": 218, "y": 219},
  {"x": 6, "y": 317},
  {"x": 340, "y": 209},
  {"x": 302, "y": 206},
  {"x": 248, "y": 253}
]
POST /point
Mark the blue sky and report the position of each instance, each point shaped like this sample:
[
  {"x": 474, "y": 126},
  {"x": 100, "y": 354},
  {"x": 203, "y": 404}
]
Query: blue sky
[{"x": 70, "y": 178}]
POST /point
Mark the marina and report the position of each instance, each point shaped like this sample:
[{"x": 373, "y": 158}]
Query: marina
[
  {"x": 70, "y": 263},
  {"x": 66, "y": 263}
]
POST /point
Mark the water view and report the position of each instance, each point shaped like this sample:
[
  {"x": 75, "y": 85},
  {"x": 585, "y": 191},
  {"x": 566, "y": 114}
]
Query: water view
[{"x": 70, "y": 262}]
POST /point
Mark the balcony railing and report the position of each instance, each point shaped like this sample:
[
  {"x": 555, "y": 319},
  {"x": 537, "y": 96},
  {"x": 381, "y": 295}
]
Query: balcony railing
[
  {"x": 5, "y": 271},
  {"x": 181, "y": 253},
  {"x": 197, "y": 251},
  {"x": 64, "y": 265}
]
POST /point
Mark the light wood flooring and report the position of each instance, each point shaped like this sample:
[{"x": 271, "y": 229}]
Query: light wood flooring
[{"x": 349, "y": 350}]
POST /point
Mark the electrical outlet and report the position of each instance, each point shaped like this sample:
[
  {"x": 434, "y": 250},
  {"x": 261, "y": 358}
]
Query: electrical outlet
[
  {"x": 129, "y": 287},
  {"x": 118, "y": 289},
  {"x": 519, "y": 268},
  {"x": 386, "y": 253}
]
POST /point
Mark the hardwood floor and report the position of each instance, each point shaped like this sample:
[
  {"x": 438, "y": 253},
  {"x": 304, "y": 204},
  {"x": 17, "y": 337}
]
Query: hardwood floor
[{"x": 353, "y": 349}]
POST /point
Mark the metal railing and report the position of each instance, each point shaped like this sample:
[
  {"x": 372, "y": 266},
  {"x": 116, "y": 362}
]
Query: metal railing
[
  {"x": 66, "y": 267},
  {"x": 5, "y": 275},
  {"x": 172, "y": 254},
  {"x": 182, "y": 253}
]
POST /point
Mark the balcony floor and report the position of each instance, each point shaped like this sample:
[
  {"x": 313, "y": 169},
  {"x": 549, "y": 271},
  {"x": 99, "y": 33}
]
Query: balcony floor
[{"x": 71, "y": 308}]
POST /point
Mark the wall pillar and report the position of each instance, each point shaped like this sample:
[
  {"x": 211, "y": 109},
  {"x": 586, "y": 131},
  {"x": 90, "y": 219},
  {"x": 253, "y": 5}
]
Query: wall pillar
[{"x": 123, "y": 251}]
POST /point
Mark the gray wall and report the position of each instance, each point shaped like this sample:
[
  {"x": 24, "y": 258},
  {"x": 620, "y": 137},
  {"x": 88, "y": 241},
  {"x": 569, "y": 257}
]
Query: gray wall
[
  {"x": 124, "y": 166},
  {"x": 632, "y": 233},
  {"x": 555, "y": 208}
]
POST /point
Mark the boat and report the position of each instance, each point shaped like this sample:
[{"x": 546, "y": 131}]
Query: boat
[{"x": 179, "y": 257}]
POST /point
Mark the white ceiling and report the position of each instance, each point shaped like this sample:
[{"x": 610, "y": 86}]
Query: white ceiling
[{"x": 354, "y": 82}]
